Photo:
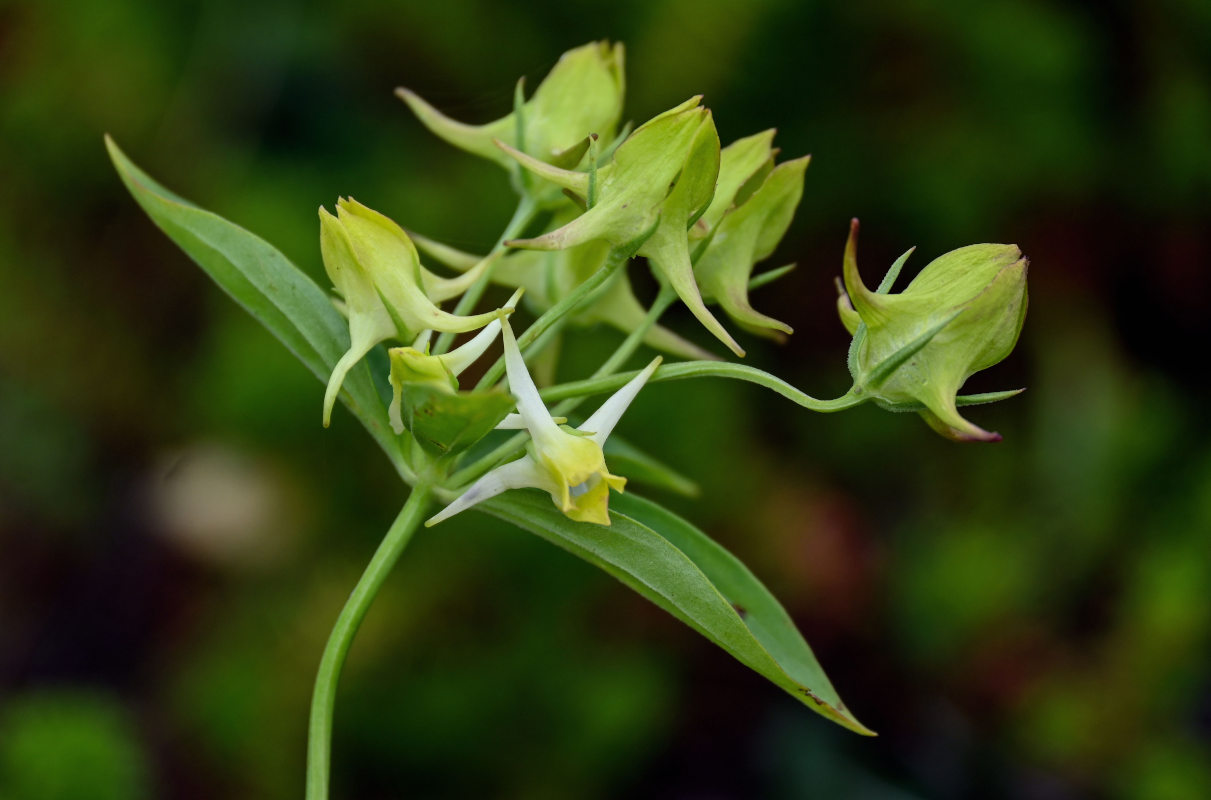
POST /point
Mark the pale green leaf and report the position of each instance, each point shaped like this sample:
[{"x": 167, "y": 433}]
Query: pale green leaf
[
  {"x": 276, "y": 292},
  {"x": 676, "y": 566}
]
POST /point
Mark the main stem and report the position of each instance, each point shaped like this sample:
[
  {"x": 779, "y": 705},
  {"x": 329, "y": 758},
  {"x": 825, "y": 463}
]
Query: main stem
[{"x": 323, "y": 699}]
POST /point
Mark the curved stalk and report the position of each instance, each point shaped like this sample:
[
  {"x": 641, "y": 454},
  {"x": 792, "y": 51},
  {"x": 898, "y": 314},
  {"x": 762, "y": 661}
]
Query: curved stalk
[
  {"x": 705, "y": 369},
  {"x": 323, "y": 699},
  {"x": 525, "y": 212},
  {"x": 581, "y": 294}
]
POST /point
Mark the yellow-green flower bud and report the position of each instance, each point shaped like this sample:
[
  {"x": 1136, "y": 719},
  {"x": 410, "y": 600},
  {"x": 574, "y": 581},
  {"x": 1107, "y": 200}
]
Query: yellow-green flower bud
[
  {"x": 743, "y": 165},
  {"x": 961, "y": 314},
  {"x": 582, "y": 95},
  {"x": 661, "y": 179},
  {"x": 410, "y": 367},
  {"x": 746, "y": 234},
  {"x": 374, "y": 267}
]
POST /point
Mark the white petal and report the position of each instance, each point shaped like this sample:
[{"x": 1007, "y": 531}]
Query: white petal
[
  {"x": 462, "y": 357},
  {"x": 514, "y": 422},
  {"x": 514, "y": 475},
  {"x": 605, "y": 418},
  {"x": 537, "y": 419}
]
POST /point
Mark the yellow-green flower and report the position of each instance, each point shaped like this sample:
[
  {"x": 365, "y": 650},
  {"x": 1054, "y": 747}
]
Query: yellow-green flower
[
  {"x": 385, "y": 292},
  {"x": 567, "y": 463},
  {"x": 661, "y": 179},
  {"x": 410, "y": 365},
  {"x": 582, "y": 95}
]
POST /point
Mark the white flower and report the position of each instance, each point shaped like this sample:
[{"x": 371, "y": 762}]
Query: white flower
[{"x": 566, "y": 463}]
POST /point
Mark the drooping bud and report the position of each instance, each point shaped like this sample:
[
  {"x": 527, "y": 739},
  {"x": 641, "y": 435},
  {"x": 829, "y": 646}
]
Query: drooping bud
[
  {"x": 425, "y": 398},
  {"x": 961, "y": 314},
  {"x": 582, "y": 95},
  {"x": 743, "y": 165}
]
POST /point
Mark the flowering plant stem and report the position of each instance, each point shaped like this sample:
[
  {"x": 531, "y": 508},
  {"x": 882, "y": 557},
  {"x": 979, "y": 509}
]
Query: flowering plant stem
[
  {"x": 581, "y": 295},
  {"x": 527, "y": 209},
  {"x": 323, "y": 699}
]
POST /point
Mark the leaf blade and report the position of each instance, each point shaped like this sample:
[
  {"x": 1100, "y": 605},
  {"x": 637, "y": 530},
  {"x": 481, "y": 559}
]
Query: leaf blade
[
  {"x": 268, "y": 286},
  {"x": 688, "y": 585}
]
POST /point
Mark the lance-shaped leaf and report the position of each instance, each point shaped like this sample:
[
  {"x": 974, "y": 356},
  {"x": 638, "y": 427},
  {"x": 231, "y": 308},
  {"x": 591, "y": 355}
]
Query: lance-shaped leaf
[
  {"x": 677, "y": 567},
  {"x": 748, "y": 234},
  {"x": 267, "y": 285},
  {"x": 582, "y": 94},
  {"x": 965, "y": 309}
]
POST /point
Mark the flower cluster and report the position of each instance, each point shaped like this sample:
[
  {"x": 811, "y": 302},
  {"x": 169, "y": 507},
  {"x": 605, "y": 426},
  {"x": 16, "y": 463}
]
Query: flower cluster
[{"x": 594, "y": 195}]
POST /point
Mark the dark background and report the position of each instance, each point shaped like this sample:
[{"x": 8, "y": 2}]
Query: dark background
[{"x": 177, "y": 532}]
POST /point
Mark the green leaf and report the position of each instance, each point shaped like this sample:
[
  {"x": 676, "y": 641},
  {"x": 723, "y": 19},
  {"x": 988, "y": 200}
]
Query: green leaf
[
  {"x": 634, "y": 464},
  {"x": 262, "y": 280},
  {"x": 677, "y": 567},
  {"x": 445, "y": 422}
]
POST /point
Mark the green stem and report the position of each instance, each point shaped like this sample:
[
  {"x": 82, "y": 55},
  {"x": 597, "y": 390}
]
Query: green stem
[
  {"x": 628, "y": 347},
  {"x": 323, "y": 699},
  {"x": 522, "y": 216},
  {"x": 704, "y": 369},
  {"x": 580, "y": 295}
]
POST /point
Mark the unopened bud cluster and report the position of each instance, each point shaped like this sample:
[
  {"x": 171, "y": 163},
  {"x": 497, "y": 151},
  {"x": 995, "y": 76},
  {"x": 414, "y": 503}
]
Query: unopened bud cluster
[{"x": 702, "y": 215}]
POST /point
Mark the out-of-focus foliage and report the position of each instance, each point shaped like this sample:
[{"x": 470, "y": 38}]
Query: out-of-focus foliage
[{"x": 1022, "y": 620}]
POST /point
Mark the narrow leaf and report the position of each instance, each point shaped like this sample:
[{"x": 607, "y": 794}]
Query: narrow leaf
[
  {"x": 676, "y": 566},
  {"x": 262, "y": 280}
]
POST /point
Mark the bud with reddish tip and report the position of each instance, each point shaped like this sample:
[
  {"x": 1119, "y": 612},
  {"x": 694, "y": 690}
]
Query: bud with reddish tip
[{"x": 961, "y": 314}]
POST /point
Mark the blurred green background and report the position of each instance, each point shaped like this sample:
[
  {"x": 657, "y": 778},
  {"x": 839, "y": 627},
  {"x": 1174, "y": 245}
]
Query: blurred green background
[{"x": 177, "y": 532}]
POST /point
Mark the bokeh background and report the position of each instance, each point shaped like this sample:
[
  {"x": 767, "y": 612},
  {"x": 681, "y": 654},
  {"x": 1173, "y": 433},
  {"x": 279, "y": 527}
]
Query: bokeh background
[{"x": 177, "y": 532}]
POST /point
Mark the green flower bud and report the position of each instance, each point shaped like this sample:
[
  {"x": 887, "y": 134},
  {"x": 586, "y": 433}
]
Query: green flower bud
[
  {"x": 425, "y": 399},
  {"x": 743, "y": 165},
  {"x": 961, "y": 314},
  {"x": 386, "y": 292},
  {"x": 582, "y": 95},
  {"x": 746, "y": 234},
  {"x": 662, "y": 178}
]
